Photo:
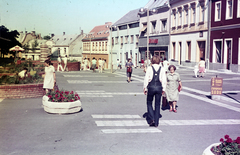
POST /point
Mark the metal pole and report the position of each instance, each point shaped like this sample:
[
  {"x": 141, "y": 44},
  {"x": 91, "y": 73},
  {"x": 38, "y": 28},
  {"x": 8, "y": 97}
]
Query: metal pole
[
  {"x": 111, "y": 52},
  {"x": 90, "y": 52},
  {"x": 209, "y": 32},
  {"x": 147, "y": 37}
]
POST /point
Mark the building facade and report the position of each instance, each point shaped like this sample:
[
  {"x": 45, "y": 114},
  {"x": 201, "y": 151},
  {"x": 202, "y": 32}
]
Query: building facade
[
  {"x": 125, "y": 36},
  {"x": 96, "y": 44},
  {"x": 225, "y": 35},
  {"x": 62, "y": 45},
  {"x": 189, "y": 31},
  {"x": 154, "y": 24}
]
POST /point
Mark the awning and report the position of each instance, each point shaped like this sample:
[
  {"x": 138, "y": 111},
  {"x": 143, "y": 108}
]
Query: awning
[{"x": 143, "y": 29}]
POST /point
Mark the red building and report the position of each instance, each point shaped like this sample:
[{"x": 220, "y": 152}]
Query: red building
[{"x": 225, "y": 35}]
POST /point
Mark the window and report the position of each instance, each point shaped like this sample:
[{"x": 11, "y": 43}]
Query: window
[
  {"x": 102, "y": 46},
  {"x": 179, "y": 16},
  {"x": 229, "y": 9},
  {"x": 112, "y": 41},
  {"x": 193, "y": 13},
  {"x": 106, "y": 46},
  {"x": 93, "y": 48},
  {"x": 65, "y": 51},
  {"x": 121, "y": 39},
  {"x": 153, "y": 27},
  {"x": 202, "y": 11},
  {"x": 217, "y": 52},
  {"x": 126, "y": 39},
  {"x": 173, "y": 18},
  {"x": 123, "y": 27},
  {"x": 133, "y": 25},
  {"x": 116, "y": 40},
  {"x": 132, "y": 39},
  {"x": 96, "y": 47},
  {"x": 186, "y": 15},
  {"x": 188, "y": 50},
  {"x": 174, "y": 50},
  {"x": 164, "y": 25},
  {"x": 238, "y": 9},
  {"x": 218, "y": 11},
  {"x": 137, "y": 39}
]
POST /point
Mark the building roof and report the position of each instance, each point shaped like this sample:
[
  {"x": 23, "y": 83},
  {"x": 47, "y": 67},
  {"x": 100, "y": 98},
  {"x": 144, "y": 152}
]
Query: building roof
[
  {"x": 99, "y": 32},
  {"x": 130, "y": 17},
  {"x": 156, "y": 3},
  {"x": 64, "y": 39},
  {"x": 39, "y": 41}
]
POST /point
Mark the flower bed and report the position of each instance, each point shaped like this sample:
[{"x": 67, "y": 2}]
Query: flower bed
[{"x": 61, "y": 102}]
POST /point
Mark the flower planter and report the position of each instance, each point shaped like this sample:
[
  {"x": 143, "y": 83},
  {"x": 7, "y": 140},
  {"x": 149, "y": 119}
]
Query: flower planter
[
  {"x": 208, "y": 151},
  {"x": 60, "y": 107}
]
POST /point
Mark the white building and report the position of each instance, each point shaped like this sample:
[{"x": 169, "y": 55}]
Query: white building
[{"x": 189, "y": 31}]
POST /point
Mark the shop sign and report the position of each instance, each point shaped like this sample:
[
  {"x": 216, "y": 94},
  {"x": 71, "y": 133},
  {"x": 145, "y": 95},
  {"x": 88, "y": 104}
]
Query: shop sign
[
  {"x": 216, "y": 86},
  {"x": 153, "y": 41}
]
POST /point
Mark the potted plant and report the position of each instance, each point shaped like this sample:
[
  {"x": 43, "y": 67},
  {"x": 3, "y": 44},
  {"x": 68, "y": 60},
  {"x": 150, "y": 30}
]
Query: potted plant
[
  {"x": 225, "y": 147},
  {"x": 61, "y": 102}
]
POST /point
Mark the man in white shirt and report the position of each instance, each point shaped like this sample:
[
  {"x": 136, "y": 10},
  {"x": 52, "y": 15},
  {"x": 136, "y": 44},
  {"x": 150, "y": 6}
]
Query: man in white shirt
[
  {"x": 154, "y": 86},
  {"x": 65, "y": 63},
  {"x": 59, "y": 63},
  {"x": 100, "y": 65}
]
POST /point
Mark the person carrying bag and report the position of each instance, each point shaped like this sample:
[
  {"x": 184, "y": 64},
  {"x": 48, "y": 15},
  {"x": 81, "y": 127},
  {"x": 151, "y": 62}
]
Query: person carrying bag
[{"x": 154, "y": 87}]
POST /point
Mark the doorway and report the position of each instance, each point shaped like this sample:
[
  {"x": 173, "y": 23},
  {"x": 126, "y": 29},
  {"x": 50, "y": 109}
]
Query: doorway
[
  {"x": 229, "y": 49},
  {"x": 201, "y": 47},
  {"x": 180, "y": 53}
]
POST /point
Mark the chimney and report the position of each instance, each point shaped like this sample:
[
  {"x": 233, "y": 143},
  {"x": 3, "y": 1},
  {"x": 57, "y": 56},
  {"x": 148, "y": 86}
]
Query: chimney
[
  {"x": 63, "y": 33},
  {"x": 52, "y": 35},
  {"x": 33, "y": 32},
  {"x": 81, "y": 32},
  {"x": 26, "y": 32}
]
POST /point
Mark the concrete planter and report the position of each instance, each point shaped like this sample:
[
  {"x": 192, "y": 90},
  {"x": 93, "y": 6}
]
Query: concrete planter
[
  {"x": 61, "y": 107},
  {"x": 208, "y": 151}
]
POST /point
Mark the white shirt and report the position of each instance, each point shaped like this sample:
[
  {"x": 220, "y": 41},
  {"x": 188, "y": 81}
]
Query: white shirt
[
  {"x": 59, "y": 59},
  {"x": 65, "y": 60},
  {"x": 149, "y": 76}
]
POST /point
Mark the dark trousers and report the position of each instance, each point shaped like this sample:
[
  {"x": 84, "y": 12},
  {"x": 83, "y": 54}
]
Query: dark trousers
[{"x": 154, "y": 91}]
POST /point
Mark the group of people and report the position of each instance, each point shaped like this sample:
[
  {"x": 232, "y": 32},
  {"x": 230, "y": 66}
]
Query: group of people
[
  {"x": 100, "y": 64},
  {"x": 60, "y": 63}
]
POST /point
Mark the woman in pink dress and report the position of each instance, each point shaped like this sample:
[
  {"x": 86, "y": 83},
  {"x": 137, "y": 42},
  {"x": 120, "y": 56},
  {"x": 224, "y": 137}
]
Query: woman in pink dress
[{"x": 201, "y": 66}]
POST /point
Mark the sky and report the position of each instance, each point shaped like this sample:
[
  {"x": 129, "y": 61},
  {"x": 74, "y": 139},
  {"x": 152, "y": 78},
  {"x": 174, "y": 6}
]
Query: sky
[{"x": 58, "y": 16}]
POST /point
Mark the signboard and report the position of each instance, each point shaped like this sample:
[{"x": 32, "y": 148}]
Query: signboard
[
  {"x": 153, "y": 41},
  {"x": 216, "y": 86}
]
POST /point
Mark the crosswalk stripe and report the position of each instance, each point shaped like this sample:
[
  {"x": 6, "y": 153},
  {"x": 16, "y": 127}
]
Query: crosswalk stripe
[
  {"x": 1, "y": 99},
  {"x": 116, "y": 116},
  {"x": 86, "y": 81},
  {"x": 169, "y": 122},
  {"x": 149, "y": 130},
  {"x": 84, "y": 76}
]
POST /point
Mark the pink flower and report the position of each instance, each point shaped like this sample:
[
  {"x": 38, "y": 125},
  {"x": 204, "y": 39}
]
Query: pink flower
[
  {"x": 66, "y": 92},
  {"x": 226, "y": 136},
  {"x": 229, "y": 140},
  {"x": 71, "y": 92},
  {"x": 56, "y": 95},
  {"x": 71, "y": 100},
  {"x": 52, "y": 100},
  {"x": 61, "y": 92},
  {"x": 221, "y": 140},
  {"x": 50, "y": 96},
  {"x": 78, "y": 97},
  {"x": 76, "y": 94}
]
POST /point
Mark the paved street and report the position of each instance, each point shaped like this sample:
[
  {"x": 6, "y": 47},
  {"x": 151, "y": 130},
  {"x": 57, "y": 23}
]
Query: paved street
[{"x": 112, "y": 118}]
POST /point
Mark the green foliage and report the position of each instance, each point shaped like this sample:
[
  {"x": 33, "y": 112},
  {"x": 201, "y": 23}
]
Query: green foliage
[
  {"x": 10, "y": 40},
  {"x": 46, "y": 37},
  {"x": 34, "y": 45}
]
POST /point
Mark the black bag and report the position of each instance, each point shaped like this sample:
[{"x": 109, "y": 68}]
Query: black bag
[{"x": 129, "y": 69}]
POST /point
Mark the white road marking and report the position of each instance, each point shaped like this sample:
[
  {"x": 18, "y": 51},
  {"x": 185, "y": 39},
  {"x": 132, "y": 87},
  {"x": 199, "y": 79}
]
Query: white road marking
[
  {"x": 132, "y": 123},
  {"x": 116, "y": 116},
  {"x": 149, "y": 130},
  {"x": 106, "y": 94},
  {"x": 83, "y": 76},
  {"x": 211, "y": 101},
  {"x": 86, "y": 81}
]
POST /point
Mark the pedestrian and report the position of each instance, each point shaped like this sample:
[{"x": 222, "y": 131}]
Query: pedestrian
[
  {"x": 118, "y": 63},
  {"x": 174, "y": 86},
  {"x": 142, "y": 63},
  {"x": 129, "y": 66},
  {"x": 165, "y": 64},
  {"x": 50, "y": 77},
  {"x": 85, "y": 62},
  {"x": 59, "y": 63},
  {"x": 154, "y": 86},
  {"x": 65, "y": 63},
  {"x": 94, "y": 63},
  {"x": 88, "y": 65},
  {"x": 201, "y": 66},
  {"x": 100, "y": 65}
]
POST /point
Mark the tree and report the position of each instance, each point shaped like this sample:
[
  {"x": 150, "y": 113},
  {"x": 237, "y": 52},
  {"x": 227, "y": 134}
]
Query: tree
[
  {"x": 6, "y": 45},
  {"x": 46, "y": 37},
  {"x": 34, "y": 45}
]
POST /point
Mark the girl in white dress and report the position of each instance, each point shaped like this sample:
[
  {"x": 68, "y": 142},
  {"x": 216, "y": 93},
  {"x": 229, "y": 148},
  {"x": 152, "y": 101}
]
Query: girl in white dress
[{"x": 50, "y": 77}]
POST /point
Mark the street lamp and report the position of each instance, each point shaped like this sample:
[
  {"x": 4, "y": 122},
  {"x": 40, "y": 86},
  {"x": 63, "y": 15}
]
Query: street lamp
[
  {"x": 142, "y": 11},
  {"x": 111, "y": 27}
]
